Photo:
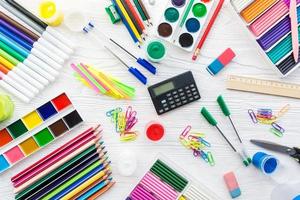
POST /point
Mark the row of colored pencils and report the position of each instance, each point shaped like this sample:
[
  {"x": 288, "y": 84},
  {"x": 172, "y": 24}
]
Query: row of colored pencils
[
  {"x": 133, "y": 21},
  {"x": 77, "y": 170}
]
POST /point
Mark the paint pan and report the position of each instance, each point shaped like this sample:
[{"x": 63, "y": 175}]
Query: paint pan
[
  {"x": 269, "y": 24},
  {"x": 167, "y": 181},
  {"x": 38, "y": 140},
  {"x": 37, "y": 118}
]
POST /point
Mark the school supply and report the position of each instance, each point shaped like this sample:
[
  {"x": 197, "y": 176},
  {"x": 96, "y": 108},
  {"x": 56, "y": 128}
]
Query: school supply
[
  {"x": 218, "y": 64},
  {"x": 124, "y": 123},
  {"x": 232, "y": 185},
  {"x": 75, "y": 20},
  {"x": 255, "y": 85},
  {"x": 155, "y": 130},
  {"x": 196, "y": 142},
  {"x": 211, "y": 120},
  {"x": 151, "y": 2},
  {"x": 127, "y": 163},
  {"x": 207, "y": 29},
  {"x": 294, "y": 152},
  {"x": 102, "y": 83},
  {"x": 7, "y": 107},
  {"x": 269, "y": 23},
  {"x": 183, "y": 22},
  {"x": 266, "y": 163},
  {"x": 50, "y": 14},
  {"x": 294, "y": 27},
  {"x": 166, "y": 181},
  {"x": 141, "y": 8},
  {"x": 174, "y": 92},
  {"x": 156, "y": 51},
  {"x": 113, "y": 14},
  {"x": 37, "y": 129},
  {"x": 79, "y": 169},
  {"x": 286, "y": 191}
]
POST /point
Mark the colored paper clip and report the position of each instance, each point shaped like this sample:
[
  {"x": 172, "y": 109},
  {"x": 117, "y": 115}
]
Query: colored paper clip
[
  {"x": 211, "y": 159},
  {"x": 278, "y": 127},
  {"x": 204, "y": 142},
  {"x": 276, "y": 132},
  {"x": 111, "y": 112},
  {"x": 186, "y": 131},
  {"x": 203, "y": 156},
  {"x": 128, "y": 136},
  {"x": 283, "y": 110},
  {"x": 252, "y": 116}
]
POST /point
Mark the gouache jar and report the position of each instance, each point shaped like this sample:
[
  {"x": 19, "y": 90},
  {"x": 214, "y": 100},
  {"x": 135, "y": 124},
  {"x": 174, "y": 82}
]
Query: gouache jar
[
  {"x": 156, "y": 51},
  {"x": 266, "y": 163}
]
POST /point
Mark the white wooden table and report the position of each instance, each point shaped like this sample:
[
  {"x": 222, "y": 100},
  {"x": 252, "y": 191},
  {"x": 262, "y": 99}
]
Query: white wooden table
[{"x": 225, "y": 33}]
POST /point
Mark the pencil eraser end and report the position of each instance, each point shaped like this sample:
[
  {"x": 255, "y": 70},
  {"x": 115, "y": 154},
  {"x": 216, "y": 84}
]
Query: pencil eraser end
[
  {"x": 215, "y": 67},
  {"x": 232, "y": 185},
  {"x": 226, "y": 57}
]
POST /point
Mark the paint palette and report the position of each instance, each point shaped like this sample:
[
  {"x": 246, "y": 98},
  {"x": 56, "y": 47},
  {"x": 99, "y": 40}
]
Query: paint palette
[
  {"x": 18, "y": 140},
  {"x": 165, "y": 181},
  {"x": 183, "y": 21},
  {"x": 269, "y": 24}
]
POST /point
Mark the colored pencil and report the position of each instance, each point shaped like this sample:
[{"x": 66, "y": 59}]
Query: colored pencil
[
  {"x": 207, "y": 29},
  {"x": 133, "y": 19},
  {"x": 39, "y": 22},
  {"x": 45, "y": 34},
  {"x": 75, "y": 162},
  {"x": 145, "y": 11},
  {"x": 294, "y": 25},
  {"x": 87, "y": 141},
  {"x": 126, "y": 16},
  {"x": 141, "y": 12},
  {"x": 90, "y": 186},
  {"x": 54, "y": 153},
  {"x": 136, "y": 16},
  {"x": 33, "y": 35},
  {"x": 12, "y": 90},
  {"x": 32, "y": 84},
  {"x": 38, "y": 66},
  {"x": 62, "y": 176},
  {"x": 96, "y": 188},
  {"x": 102, "y": 191}
]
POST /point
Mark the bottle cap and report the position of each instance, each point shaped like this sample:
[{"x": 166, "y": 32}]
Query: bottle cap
[{"x": 155, "y": 131}]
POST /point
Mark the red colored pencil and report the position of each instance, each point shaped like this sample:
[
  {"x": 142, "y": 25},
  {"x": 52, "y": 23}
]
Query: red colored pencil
[
  {"x": 208, "y": 28},
  {"x": 135, "y": 14}
]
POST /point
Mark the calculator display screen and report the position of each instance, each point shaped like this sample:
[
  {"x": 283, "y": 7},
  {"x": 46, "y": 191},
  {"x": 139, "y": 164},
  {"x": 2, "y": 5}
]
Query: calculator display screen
[{"x": 163, "y": 88}]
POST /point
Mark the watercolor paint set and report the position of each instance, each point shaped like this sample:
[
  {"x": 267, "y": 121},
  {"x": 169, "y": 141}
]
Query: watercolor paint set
[
  {"x": 269, "y": 23},
  {"x": 165, "y": 181},
  {"x": 183, "y": 22},
  {"x": 33, "y": 131}
]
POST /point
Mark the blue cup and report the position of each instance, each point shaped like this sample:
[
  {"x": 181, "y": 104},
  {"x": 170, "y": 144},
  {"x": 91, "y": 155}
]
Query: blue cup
[{"x": 266, "y": 163}]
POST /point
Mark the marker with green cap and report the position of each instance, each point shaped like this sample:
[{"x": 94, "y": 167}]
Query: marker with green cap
[{"x": 226, "y": 112}]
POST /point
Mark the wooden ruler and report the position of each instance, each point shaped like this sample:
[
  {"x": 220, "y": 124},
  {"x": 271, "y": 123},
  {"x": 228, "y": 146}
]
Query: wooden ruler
[{"x": 249, "y": 84}]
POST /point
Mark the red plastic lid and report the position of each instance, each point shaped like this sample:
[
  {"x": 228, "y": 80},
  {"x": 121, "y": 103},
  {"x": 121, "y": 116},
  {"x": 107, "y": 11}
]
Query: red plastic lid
[{"x": 155, "y": 132}]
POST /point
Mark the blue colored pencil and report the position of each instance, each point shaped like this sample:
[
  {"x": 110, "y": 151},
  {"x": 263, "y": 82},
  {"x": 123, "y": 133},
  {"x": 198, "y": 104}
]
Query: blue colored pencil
[{"x": 95, "y": 189}]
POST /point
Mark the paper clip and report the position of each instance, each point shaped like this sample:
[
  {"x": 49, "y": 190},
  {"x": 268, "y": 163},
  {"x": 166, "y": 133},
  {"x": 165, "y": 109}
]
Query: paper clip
[
  {"x": 128, "y": 136},
  {"x": 283, "y": 110},
  {"x": 185, "y": 142},
  {"x": 186, "y": 131},
  {"x": 204, "y": 142},
  {"x": 204, "y": 156},
  {"x": 277, "y": 127},
  {"x": 111, "y": 112},
  {"x": 253, "y": 116},
  {"x": 130, "y": 113},
  {"x": 196, "y": 153},
  {"x": 276, "y": 132},
  {"x": 131, "y": 123},
  {"x": 211, "y": 159}
]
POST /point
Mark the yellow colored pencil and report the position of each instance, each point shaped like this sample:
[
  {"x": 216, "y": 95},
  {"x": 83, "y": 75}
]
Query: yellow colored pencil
[
  {"x": 6, "y": 63},
  {"x": 134, "y": 29}
]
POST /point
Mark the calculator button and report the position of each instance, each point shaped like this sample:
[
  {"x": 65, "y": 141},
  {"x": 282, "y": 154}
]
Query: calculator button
[
  {"x": 195, "y": 93},
  {"x": 165, "y": 105},
  {"x": 171, "y": 102},
  {"x": 170, "y": 98},
  {"x": 197, "y": 97},
  {"x": 166, "y": 109},
  {"x": 189, "y": 95},
  {"x": 181, "y": 94},
  {"x": 192, "y": 85},
  {"x": 173, "y": 106},
  {"x": 177, "y": 100},
  {"x": 174, "y": 92},
  {"x": 178, "y": 104},
  {"x": 180, "y": 90},
  {"x": 169, "y": 94},
  {"x": 184, "y": 102},
  {"x": 176, "y": 96},
  {"x": 191, "y": 99},
  {"x": 188, "y": 91},
  {"x": 163, "y": 101},
  {"x": 161, "y": 111},
  {"x": 193, "y": 89},
  {"x": 183, "y": 98},
  {"x": 186, "y": 87}
]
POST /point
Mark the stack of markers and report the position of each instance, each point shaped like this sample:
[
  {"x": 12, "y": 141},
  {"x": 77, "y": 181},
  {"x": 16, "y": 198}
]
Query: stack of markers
[
  {"x": 133, "y": 22},
  {"x": 197, "y": 143},
  {"x": 266, "y": 116},
  {"x": 124, "y": 122},
  {"x": 102, "y": 83},
  {"x": 31, "y": 54},
  {"x": 77, "y": 170}
]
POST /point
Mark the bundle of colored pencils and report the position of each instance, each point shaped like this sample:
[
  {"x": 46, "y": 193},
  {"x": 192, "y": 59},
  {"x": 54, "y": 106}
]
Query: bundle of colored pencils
[
  {"x": 133, "y": 21},
  {"x": 102, "y": 83},
  {"x": 77, "y": 170}
]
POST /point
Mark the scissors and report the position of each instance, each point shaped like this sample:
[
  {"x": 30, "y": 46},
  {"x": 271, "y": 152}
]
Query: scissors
[{"x": 294, "y": 152}]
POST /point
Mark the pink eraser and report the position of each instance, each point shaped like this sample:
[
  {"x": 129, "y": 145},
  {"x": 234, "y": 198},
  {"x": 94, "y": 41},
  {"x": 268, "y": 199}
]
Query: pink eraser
[
  {"x": 227, "y": 56},
  {"x": 232, "y": 185}
]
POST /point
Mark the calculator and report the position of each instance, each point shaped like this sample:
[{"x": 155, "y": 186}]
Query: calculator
[{"x": 174, "y": 92}]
